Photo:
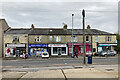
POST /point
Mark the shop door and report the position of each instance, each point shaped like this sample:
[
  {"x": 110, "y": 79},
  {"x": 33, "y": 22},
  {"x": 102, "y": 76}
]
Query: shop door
[
  {"x": 76, "y": 49},
  {"x": 59, "y": 51}
]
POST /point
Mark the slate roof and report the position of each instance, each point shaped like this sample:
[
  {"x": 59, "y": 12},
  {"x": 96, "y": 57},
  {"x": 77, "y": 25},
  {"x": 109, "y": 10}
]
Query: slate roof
[{"x": 55, "y": 31}]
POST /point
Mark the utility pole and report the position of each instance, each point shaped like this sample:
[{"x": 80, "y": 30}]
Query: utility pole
[
  {"x": 83, "y": 13},
  {"x": 72, "y": 35}
]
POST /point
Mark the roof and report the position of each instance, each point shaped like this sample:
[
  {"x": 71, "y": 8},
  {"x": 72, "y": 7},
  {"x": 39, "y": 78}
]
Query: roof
[{"x": 55, "y": 31}]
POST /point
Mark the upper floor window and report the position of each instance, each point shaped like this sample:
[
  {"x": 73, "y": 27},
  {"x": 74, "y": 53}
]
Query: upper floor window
[
  {"x": 57, "y": 38},
  {"x": 74, "y": 39},
  {"x": 96, "y": 38},
  {"x": 87, "y": 38},
  {"x": 37, "y": 38},
  {"x": 15, "y": 38},
  {"x": 108, "y": 38},
  {"x": 50, "y": 38}
]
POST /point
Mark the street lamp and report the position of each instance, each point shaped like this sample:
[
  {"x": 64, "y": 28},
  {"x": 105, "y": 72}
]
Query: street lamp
[
  {"x": 72, "y": 35},
  {"x": 83, "y": 13}
]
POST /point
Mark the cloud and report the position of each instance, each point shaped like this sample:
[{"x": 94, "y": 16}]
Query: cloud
[{"x": 100, "y": 15}]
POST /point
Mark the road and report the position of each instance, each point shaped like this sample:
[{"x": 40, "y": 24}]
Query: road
[{"x": 59, "y": 61}]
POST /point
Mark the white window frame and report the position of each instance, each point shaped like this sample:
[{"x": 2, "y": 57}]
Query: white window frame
[
  {"x": 50, "y": 38},
  {"x": 109, "y": 39},
  {"x": 57, "y": 38},
  {"x": 38, "y": 39},
  {"x": 15, "y": 38},
  {"x": 96, "y": 38},
  {"x": 74, "y": 39}
]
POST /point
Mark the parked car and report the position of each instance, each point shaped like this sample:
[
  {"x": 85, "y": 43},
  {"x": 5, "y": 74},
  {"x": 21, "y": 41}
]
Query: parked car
[
  {"x": 103, "y": 53},
  {"x": 98, "y": 53},
  {"x": 112, "y": 53},
  {"x": 88, "y": 53},
  {"x": 108, "y": 53},
  {"x": 45, "y": 55}
]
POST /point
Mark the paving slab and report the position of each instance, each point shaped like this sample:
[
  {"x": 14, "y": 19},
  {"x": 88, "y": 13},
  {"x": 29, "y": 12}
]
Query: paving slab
[
  {"x": 89, "y": 73},
  {"x": 15, "y": 75},
  {"x": 45, "y": 74}
]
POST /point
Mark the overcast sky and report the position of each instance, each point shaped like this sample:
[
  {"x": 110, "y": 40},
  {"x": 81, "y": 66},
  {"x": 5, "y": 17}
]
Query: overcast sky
[{"x": 99, "y": 15}]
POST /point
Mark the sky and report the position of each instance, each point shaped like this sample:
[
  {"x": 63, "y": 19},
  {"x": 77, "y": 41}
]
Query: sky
[{"x": 46, "y": 14}]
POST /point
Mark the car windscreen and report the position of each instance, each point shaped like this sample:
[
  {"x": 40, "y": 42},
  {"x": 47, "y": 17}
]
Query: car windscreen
[{"x": 44, "y": 53}]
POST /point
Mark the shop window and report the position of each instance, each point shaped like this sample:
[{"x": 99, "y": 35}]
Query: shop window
[
  {"x": 55, "y": 50},
  {"x": 74, "y": 39},
  {"x": 15, "y": 38},
  {"x": 87, "y": 38},
  {"x": 70, "y": 49},
  {"x": 108, "y": 38},
  {"x": 64, "y": 50},
  {"x": 57, "y": 38},
  {"x": 50, "y": 38},
  {"x": 37, "y": 38}
]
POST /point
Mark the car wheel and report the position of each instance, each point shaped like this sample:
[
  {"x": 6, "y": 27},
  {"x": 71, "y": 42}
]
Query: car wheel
[{"x": 105, "y": 55}]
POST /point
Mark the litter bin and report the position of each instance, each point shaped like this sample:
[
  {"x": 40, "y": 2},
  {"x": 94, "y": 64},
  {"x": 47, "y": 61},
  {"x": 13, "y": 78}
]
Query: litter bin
[{"x": 89, "y": 59}]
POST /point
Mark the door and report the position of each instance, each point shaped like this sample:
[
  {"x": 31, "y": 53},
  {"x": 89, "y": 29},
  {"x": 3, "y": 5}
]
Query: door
[
  {"x": 76, "y": 49},
  {"x": 59, "y": 51}
]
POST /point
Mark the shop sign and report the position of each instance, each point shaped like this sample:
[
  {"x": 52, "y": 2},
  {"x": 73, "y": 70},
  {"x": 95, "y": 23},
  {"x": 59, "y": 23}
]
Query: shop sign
[
  {"x": 107, "y": 44},
  {"x": 80, "y": 44},
  {"x": 15, "y": 45},
  {"x": 38, "y": 45},
  {"x": 57, "y": 45}
]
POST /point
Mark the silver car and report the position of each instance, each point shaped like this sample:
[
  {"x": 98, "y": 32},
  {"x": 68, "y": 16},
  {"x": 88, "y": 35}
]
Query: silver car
[{"x": 108, "y": 53}]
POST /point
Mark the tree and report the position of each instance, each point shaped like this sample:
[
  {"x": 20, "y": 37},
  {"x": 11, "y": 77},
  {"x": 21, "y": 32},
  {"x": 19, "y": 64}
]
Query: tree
[{"x": 118, "y": 43}]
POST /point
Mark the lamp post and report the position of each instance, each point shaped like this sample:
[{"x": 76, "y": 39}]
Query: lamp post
[
  {"x": 83, "y": 13},
  {"x": 72, "y": 36}
]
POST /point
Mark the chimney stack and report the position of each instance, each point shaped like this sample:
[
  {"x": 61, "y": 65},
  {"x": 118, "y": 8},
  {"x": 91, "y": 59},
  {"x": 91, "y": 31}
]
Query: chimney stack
[
  {"x": 88, "y": 27},
  {"x": 65, "y": 26},
  {"x": 32, "y": 27}
]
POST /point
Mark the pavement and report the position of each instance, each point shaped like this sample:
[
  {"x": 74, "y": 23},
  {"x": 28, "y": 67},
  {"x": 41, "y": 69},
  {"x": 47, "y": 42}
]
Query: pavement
[
  {"x": 59, "y": 71},
  {"x": 78, "y": 72}
]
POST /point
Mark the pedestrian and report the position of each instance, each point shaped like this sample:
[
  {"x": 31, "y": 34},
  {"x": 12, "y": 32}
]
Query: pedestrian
[{"x": 76, "y": 54}]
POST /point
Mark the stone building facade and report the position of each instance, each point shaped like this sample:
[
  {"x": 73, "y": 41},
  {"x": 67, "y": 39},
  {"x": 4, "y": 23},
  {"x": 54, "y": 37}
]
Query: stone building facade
[
  {"x": 56, "y": 41},
  {"x": 3, "y": 28}
]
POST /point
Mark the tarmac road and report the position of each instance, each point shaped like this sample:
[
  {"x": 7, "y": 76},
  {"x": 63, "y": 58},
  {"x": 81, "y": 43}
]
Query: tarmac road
[{"x": 59, "y": 61}]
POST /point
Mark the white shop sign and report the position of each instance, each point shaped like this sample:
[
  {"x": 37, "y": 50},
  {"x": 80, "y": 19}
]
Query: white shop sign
[
  {"x": 57, "y": 45},
  {"x": 15, "y": 45}
]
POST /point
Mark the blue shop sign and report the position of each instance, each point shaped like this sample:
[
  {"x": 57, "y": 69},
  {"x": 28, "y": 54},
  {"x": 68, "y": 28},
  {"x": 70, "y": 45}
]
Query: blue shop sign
[
  {"x": 107, "y": 45},
  {"x": 38, "y": 45}
]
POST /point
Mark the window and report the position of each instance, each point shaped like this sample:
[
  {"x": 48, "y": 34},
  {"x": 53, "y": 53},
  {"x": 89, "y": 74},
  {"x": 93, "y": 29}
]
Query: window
[
  {"x": 73, "y": 39},
  {"x": 57, "y": 38},
  {"x": 37, "y": 38},
  {"x": 50, "y": 38},
  {"x": 15, "y": 38},
  {"x": 96, "y": 38},
  {"x": 87, "y": 38},
  {"x": 108, "y": 38}
]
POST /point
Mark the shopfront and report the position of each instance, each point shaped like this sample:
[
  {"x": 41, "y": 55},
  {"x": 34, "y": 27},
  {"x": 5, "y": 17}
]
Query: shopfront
[
  {"x": 15, "y": 50},
  {"x": 37, "y": 49},
  {"x": 58, "y": 49},
  {"x": 106, "y": 46},
  {"x": 78, "y": 47}
]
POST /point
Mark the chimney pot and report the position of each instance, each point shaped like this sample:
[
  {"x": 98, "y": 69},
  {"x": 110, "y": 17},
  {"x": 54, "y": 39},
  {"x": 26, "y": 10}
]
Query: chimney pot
[
  {"x": 65, "y": 26},
  {"x": 32, "y": 26}
]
